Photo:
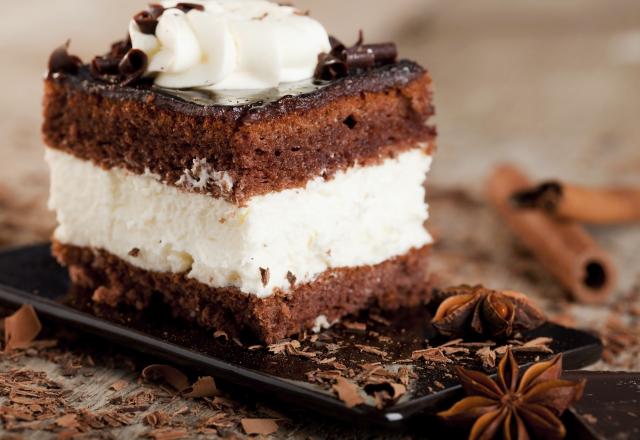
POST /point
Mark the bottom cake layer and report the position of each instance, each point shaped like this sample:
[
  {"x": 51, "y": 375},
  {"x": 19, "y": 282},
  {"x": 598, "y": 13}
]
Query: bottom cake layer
[{"x": 395, "y": 283}]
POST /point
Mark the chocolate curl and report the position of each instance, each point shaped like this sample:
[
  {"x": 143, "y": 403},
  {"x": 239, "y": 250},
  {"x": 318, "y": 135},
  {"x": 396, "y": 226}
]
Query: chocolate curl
[
  {"x": 385, "y": 53},
  {"x": 104, "y": 66},
  {"x": 186, "y": 7},
  {"x": 156, "y": 10},
  {"x": 133, "y": 66},
  {"x": 146, "y": 22},
  {"x": 565, "y": 249},
  {"x": 359, "y": 57},
  {"x": 330, "y": 68},
  {"x": 335, "y": 44},
  {"x": 120, "y": 48},
  {"x": 598, "y": 206},
  {"x": 61, "y": 62}
]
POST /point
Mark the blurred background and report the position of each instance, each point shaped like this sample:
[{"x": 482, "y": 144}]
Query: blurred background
[{"x": 553, "y": 85}]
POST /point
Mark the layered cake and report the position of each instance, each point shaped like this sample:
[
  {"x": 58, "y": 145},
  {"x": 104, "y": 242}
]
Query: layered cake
[{"x": 234, "y": 161}]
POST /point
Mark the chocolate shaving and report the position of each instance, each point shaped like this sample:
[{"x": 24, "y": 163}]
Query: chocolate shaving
[
  {"x": 61, "y": 62},
  {"x": 487, "y": 356},
  {"x": 348, "y": 392},
  {"x": 157, "y": 419},
  {"x": 132, "y": 66},
  {"x": 265, "y": 276},
  {"x": 156, "y": 10},
  {"x": 355, "y": 326},
  {"x": 341, "y": 60},
  {"x": 186, "y": 7},
  {"x": 330, "y": 68},
  {"x": 146, "y": 22},
  {"x": 167, "y": 374},
  {"x": 135, "y": 252},
  {"x": 372, "y": 350},
  {"x": 259, "y": 426},
  {"x": 103, "y": 67},
  {"x": 359, "y": 57},
  {"x": 21, "y": 328},
  {"x": 119, "y": 385},
  {"x": 123, "y": 65},
  {"x": 221, "y": 334},
  {"x": 204, "y": 387},
  {"x": 168, "y": 433},
  {"x": 435, "y": 355}
]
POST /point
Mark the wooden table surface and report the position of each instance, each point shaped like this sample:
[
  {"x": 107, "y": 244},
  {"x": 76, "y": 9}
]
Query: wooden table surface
[{"x": 553, "y": 86}]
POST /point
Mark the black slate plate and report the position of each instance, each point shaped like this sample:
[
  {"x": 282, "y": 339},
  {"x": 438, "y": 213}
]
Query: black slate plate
[
  {"x": 30, "y": 275},
  {"x": 610, "y": 408}
]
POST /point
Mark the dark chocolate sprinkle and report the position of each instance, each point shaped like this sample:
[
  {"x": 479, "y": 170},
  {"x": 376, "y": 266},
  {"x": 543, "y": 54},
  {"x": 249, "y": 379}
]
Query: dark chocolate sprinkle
[
  {"x": 61, "y": 62},
  {"x": 186, "y": 7},
  {"x": 156, "y": 10},
  {"x": 146, "y": 22},
  {"x": 133, "y": 66}
]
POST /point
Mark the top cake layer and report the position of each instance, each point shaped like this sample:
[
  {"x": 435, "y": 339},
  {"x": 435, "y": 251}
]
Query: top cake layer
[
  {"x": 202, "y": 142},
  {"x": 236, "y": 99}
]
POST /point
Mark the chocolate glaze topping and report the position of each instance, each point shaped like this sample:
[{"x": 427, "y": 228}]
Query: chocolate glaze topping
[{"x": 286, "y": 97}]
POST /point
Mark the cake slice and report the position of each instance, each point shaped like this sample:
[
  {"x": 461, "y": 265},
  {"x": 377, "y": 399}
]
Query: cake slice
[{"x": 251, "y": 195}]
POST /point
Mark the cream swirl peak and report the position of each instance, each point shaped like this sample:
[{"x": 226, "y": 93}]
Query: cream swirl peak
[{"x": 230, "y": 44}]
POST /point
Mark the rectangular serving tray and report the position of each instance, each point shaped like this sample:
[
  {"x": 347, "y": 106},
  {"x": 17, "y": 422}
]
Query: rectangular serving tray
[{"x": 31, "y": 276}]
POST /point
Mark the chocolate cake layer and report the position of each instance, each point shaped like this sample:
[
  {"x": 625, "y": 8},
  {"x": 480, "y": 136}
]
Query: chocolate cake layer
[
  {"x": 264, "y": 143},
  {"x": 398, "y": 282}
]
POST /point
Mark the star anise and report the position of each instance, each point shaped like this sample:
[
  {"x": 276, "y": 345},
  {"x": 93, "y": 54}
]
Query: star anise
[
  {"x": 514, "y": 407},
  {"x": 476, "y": 310}
]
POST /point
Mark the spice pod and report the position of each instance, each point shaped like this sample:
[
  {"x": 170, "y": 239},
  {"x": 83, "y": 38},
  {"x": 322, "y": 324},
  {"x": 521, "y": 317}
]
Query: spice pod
[{"x": 564, "y": 248}]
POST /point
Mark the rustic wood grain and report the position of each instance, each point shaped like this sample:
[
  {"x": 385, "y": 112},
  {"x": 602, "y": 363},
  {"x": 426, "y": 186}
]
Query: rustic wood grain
[{"x": 552, "y": 86}]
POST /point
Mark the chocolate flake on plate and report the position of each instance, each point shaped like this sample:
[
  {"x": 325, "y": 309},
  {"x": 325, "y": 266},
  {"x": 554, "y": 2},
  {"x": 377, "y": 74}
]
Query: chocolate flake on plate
[
  {"x": 348, "y": 392},
  {"x": 371, "y": 350}
]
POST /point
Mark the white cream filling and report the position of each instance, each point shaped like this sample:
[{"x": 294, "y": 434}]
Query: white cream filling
[{"x": 363, "y": 216}]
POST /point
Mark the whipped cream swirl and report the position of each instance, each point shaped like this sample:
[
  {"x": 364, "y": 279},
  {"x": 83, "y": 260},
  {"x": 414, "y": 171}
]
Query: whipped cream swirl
[{"x": 231, "y": 44}]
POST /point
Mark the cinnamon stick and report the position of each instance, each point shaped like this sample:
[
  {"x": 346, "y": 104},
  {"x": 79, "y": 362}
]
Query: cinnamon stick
[
  {"x": 600, "y": 206},
  {"x": 564, "y": 248}
]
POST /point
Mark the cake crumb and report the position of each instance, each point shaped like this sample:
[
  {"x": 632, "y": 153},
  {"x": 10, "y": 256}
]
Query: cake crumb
[
  {"x": 265, "y": 276},
  {"x": 291, "y": 278}
]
